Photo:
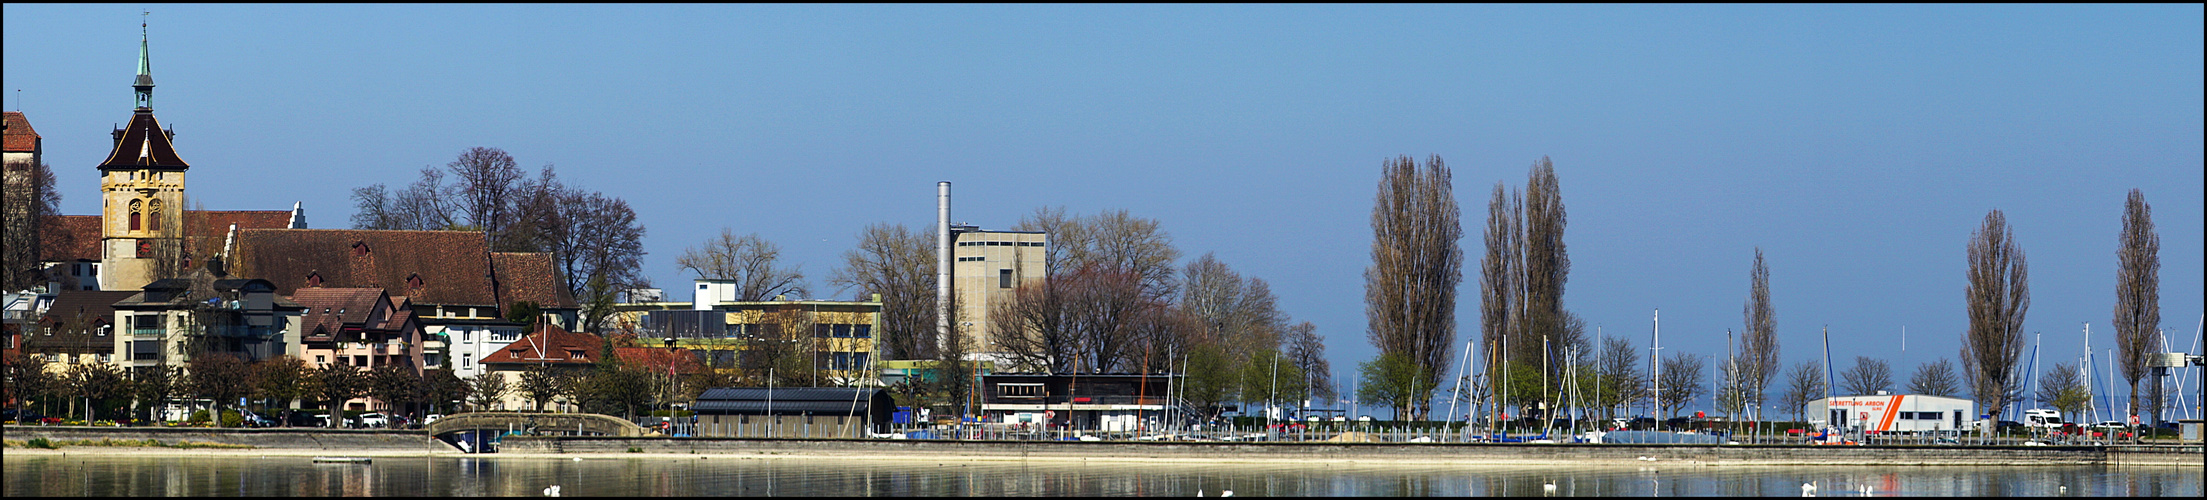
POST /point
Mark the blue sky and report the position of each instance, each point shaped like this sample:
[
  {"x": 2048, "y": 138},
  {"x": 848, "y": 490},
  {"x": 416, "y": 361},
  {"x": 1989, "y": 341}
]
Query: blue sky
[{"x": 1858, "y": 146}]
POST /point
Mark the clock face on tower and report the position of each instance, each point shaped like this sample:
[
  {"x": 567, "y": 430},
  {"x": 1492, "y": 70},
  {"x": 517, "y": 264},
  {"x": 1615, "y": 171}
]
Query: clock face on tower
[{"x": 145, "y": 249}]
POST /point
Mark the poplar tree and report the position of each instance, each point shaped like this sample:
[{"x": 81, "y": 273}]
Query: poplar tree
[
  {"x": 1998, "y": 295},
  {"x": 1410, "y": 288},
  {"x": 2137, "y": 293}
]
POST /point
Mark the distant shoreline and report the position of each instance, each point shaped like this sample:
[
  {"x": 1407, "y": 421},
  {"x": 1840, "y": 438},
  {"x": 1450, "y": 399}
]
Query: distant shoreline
[{"x": 412, "y": 444}]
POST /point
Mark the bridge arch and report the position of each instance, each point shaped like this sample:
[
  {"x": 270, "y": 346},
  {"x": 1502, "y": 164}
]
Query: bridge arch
[{"x": 586, "y": 424}]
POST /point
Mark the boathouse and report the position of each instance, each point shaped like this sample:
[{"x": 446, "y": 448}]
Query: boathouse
[{"x": 793, "y": 412}]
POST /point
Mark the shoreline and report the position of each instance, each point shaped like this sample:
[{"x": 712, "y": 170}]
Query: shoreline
[
  {"x": 1530, "y": 463},
  {"x": 406, "y": 444}
]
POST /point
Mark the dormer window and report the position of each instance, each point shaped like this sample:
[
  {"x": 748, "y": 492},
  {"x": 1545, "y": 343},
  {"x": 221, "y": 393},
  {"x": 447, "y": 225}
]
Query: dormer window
[
  {"x": 414, "y": 282},
  {"x": 360, "y": 248},
  {"x": 314, "y": 280},
  {"x": 574, "y": 353}
]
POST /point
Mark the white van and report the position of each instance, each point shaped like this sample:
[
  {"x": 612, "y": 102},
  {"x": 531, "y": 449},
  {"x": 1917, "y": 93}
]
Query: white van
[{"x": 2041, "y": 419}]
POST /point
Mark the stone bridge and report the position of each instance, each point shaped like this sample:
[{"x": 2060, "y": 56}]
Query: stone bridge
[{"x": 560, "y": 424}]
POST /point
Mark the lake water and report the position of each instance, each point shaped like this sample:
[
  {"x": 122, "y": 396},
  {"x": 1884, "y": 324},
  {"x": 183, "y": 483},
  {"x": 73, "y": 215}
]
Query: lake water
[{"x": 98, "y": 475}]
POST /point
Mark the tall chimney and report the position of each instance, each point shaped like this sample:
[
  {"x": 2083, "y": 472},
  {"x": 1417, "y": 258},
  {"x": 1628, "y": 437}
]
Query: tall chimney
[{"x": 942, "y": 266}]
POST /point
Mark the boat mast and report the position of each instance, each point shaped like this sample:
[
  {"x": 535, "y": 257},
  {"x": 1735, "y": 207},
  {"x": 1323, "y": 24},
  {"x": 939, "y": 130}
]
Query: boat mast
[{"x": 1655, "y": 361}]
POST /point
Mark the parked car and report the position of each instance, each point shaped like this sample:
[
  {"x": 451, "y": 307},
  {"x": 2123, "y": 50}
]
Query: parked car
[
  {"x": 371, "y": 420},
  {"x": 431, "y": 419},
  {"x": 250, "y": 419},
  {"x": 296, "y": 418},
  {"x": 27, "y": 415},
  {"x": 2110, "y": 424}
]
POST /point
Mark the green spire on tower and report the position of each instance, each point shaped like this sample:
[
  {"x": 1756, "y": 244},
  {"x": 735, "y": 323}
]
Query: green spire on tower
[{"x": 144, "y": 84}]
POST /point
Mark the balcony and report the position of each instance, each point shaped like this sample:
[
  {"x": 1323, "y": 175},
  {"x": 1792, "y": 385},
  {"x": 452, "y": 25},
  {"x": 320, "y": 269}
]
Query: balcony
[{"x": 149, "y": 332}]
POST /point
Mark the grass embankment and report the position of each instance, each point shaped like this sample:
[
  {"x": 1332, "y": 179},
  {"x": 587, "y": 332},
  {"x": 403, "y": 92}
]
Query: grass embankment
[{"x": 55, "y": 444}]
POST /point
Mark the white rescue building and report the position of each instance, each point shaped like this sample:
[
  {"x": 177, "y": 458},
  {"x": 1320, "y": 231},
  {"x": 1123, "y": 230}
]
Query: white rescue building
[{"x": 1892, "y": 413}]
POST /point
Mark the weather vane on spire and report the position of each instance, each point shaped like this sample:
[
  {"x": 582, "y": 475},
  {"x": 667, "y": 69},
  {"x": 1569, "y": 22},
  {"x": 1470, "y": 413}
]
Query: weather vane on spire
[{"x": 144, "y": 83}]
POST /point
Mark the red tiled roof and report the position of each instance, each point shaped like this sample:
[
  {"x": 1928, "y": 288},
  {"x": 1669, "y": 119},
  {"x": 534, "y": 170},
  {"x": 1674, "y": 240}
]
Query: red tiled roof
[
  {"x": 549, "y": 344},
  {"x": 531, "y": 277},
  {"x": 143, "y": 145},
  {"x": 70, "y": 238},
  {"x": 451, "y": 265},
  {"x": 21, "y": 137},
  {"x": 216, "y": 223},
  {"x": 77, "y": 237}
]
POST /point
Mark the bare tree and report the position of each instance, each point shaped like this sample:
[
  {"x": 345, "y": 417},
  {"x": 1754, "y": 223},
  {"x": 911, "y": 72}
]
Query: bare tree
[
  {"x": 749, "y": 260},
  {"x": 1998, "y": 295},
  {"x": 281, "y": 380},
  {"x": 1522, "y": 277},
  {"x": 1730, "y": 397},
  {"x": 1868, "y": 376},
  {"x": 336, "y": 384},
  {"x": 1622, "y": 382},
  {"x": 899, "y": 264},
  {"x": 1935, "y": 379},
  {"x": 487, "y": 391},
  {"x": 1227, "y": 306},
  {"x": 1501, "y": 276},
  {"x": 1115, "y": 239},
  {"x": 487, "y": 180},
  {"x": 2064, "y": 389},
  {"x": 2138, "y": 296},
  {"x": 373, "y": 208},
  {"x": 1804, "y": 383},
  {"x": 424, "y": 205},
  {"x": 1035, "y": 328},
  {"x": 220, "y": 377},
  {"x": 1064, "y": 231},
  {"x": 1410, "y": 288},
  {"x": 1547, "y": 266},
  {"x": 28, "y": 203},
  {"x": 1758, "y": 361},
  {"x": 1308, "y": 351},
  {"x": 593, "y": 236},
  {"x": 27, "y": 379},
  {"x": 1685, "y": 379},
  {"x": 539, "y": 385}
]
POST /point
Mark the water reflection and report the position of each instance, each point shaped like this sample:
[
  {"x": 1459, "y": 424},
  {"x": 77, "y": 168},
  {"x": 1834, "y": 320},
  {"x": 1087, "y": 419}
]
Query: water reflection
[{"x": 512, "y": 476}]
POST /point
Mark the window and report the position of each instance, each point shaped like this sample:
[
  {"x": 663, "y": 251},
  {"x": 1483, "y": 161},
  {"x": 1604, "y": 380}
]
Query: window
[
  {"x": 862, "y": 331},
  {"x": 822, "y": 331},
  {"x": 843, "y": 331},
  {"x": 1004, "y": 278},
  {"x": 842, "y": 361},
  {"x": 467, "y": 336},
  {"x": 106, "y": 358},
  {"x": 154, "y": 208},
  {"x": 1019, "y": 390},
  {"x": 321, "y": 359},
  {"x": 970, "y": 259},
  {"x": 858, "y": 361},
  {"x": 134, "y": 217},
  {"x": 574, "y": 353}
]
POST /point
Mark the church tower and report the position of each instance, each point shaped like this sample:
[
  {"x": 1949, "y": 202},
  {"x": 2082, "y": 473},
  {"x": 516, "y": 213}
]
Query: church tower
[{"x": 142, "y": 196}]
